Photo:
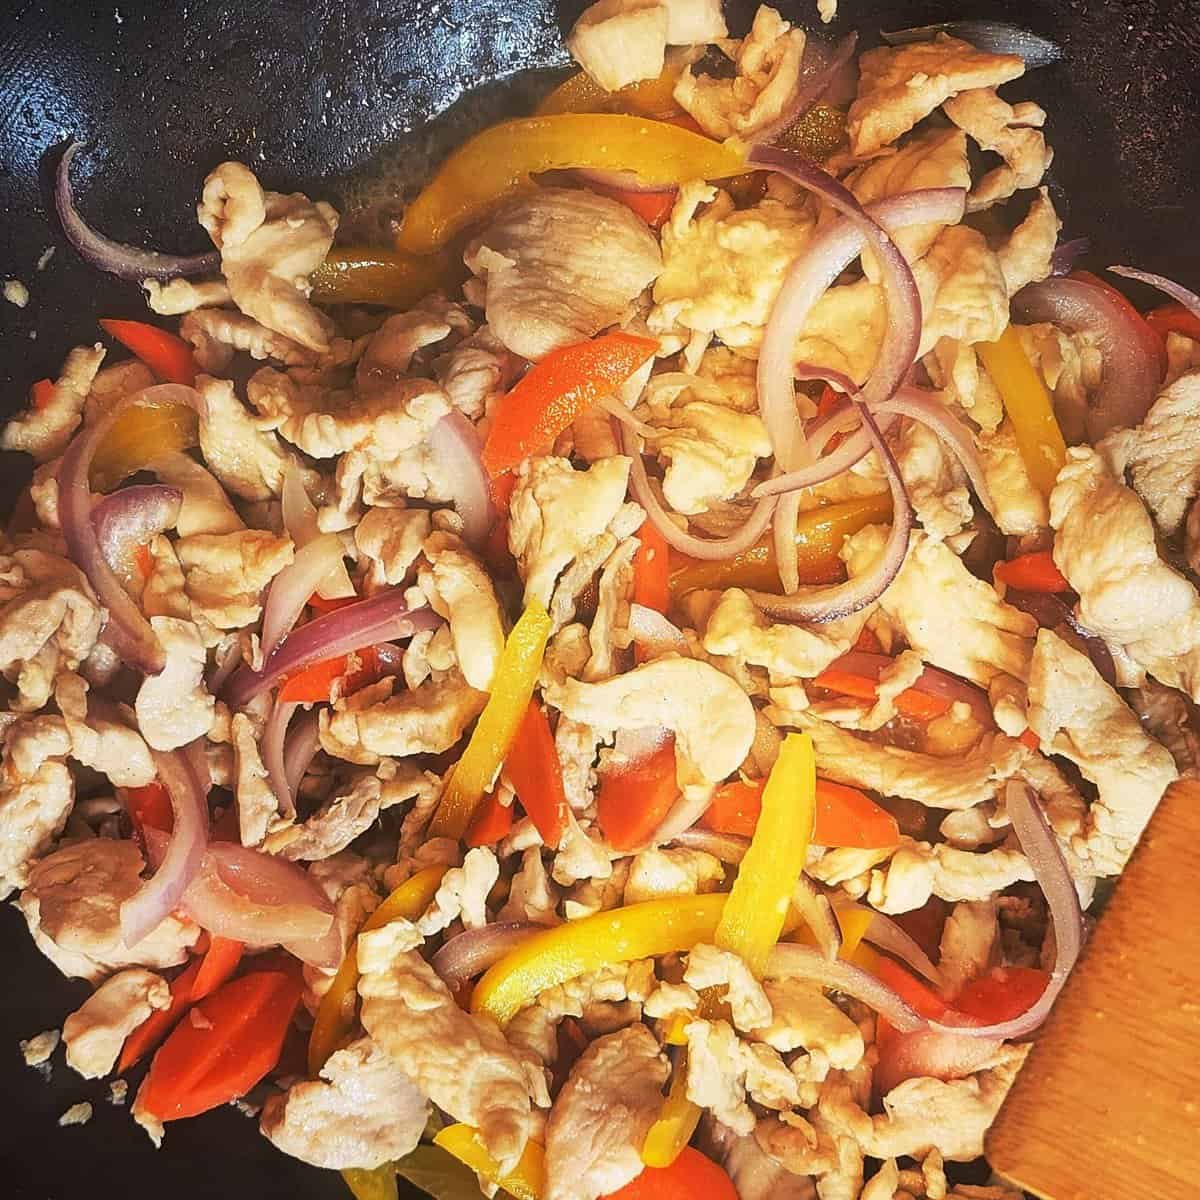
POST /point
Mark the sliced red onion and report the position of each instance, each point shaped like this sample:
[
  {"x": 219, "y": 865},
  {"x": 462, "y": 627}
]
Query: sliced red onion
[
  {"x": 887, "y": 935},
  {"x": 791, "y": 961},
  {"x": 1169, "y": 287},
  {"x": 384, "y": 617},
  {"x": 127, "y": 520},
  {"x": 456, "y": 446},
  {"x": 728, "y": 847},
  {"x": 840, "y": 600},
  {"x": 117, "y": 258},
  {"x": 1067, "y": 254},
  {"x": 127, "y": 631},
  {"x": 654, "y": 632},
  {"x": 1050, "y": 611},
  {"x": 1066, "y": 917},
  {"x": 615, "y": 409},
  {"x": 293, "y": 587},
  {"x": 1132, "y": 367},
  {"x": 813, "y": 84},
  {"x": 302, "y": 743},
  {"x": 471, "y": 953},
  {"x": 933, "y": 1054},
  {"x": 182, "y": 851},
  {"x": 273, "y": 745},
  {"x": 300, "y": 521},
  {"x": 814, "y": 907}
]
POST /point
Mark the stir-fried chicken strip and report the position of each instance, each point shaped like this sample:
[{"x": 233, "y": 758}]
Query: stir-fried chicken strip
[
  {"x": 43, "y": 431},
  {"x": 362, "y": 1113},
  {"x": 462, "y": 1063},
  {"x": 601, "y": 1117},
  {"x": 95, "y": 1032}
]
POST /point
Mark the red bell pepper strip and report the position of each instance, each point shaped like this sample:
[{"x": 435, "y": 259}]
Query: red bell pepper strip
[
  {"x": 653, "y": 207},
  {"x": 168, "y": 356},
  {"x": 909, "y": 703},
  {"x": 220, "y": 1056},
  {"x": 534, "y": 771},
  {"x": 844, "y": 815},
  {"x": 492, "y": 822},
  {"x": 41, "y": 392},
  {"x": 555, "y": 390},
  {"x": 1034, "y": 572},
  {"x": 160, "y": 1022},
  {"x": 1003, "y": 994},
  {"x": 219, "y": 963},
  {"x": 1167, "y": 318},
  {"x": 692, "y": 1176},
  {"x": 1030, "y": 739},
  {"x": 320, "y": 605},
  {"x": 652, "y": 569},
  {"x": 315, "y": 683},
  {"x": 632, "y": 803},
  {"x": 149, "y": 806}
]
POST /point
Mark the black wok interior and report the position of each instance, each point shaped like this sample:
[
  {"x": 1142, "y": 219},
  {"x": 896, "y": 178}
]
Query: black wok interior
[{"x": 307, "y": 92}]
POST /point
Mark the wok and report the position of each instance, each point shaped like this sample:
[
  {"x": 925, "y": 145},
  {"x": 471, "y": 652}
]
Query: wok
[{"x": 312, "y": 94}]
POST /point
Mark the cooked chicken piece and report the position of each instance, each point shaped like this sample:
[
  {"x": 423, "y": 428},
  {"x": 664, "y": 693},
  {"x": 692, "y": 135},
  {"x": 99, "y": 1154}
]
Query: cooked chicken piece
[
  {"x": 583, "y": 854},
  {"x": 270, "y": 244},
  {"x": 99, "y": 741},
  {"x": 462, "y": 894},
  {"x": 899, "y": 86},
  {"x": 174, "y": 707},
  {"x": 560, "y": 265},
  {"x": 72, "y": 904},
  {"x": 348, "y": 882},
  {"x": 601, "y": 1117},
  {"x": 1183, "y": 357},
  {"x": 1026, "y": 256},
  {"x": 709, "y": 452},
  {"x": 936, "y": 159},
  {"x": 609, "y": 632},
  {"x": 1166, "y": 715},
  {"x": 963, "y": 292},
  {"x": 669, "y": 1000},
  {"x": 677, "y": 871},
  {"x": 723, "y": 1072},
  {"x": 96, "y": 1031},
  {"x": 1149, "y": 614},
  {"x": 257, "y": 804},
  {"x": 567, "y": 522},
  {"x": 206, "y": 507},
  {"x": 711, "y": 967},
  {"x": 44, "y": 431},
  {"x": 392, "y": 539},
  {"x": 114, "y": 382},
  {"x": 953, "y": 620},
  {"x": 755, "y": 1175},
  {"x": 365, "y": 1114},
  {"x": 918, "y": 870},
  {"x": 217, "y": 334},
  {"x": 951, "y": 1117},
  {"x": 956, "y": 370},
  {"x": 1013, "y": 131},
  {"x": 426, "y": 720},
  {"x": 1018, "y": 507},
  {"x": 803, "y": 1017},
  {"x": 460, "y": 590},
  {"x": 723, "y": 269},
  {"x": 1161, "y": 456},
  {"x": 461, "y": 1062},
  {"x": 845, "y": 329},
  {"x": 477, "y": 371},
  {"x": 1077, "y": 715},
  {"x": 711, "y": 717},
  {"x": 179, "y": 296},
  {"x": 936, "y": 484},
  {"x": 767, "y": 62},
  {"x": 531, "y": 896},
  {"x": 970, "y": 939},
  {"x": 225, "y": 574},
  {"x": 618, "y": 42}
]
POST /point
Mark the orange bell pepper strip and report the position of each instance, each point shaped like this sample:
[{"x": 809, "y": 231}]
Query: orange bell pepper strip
[
  {"x": 844, "y": 816},
  {"x": 534, "y": 771},
  {"x": 633, "y": 802},
  {"x": 218, "y": 965},
  {"x": 552, "y": 394},
  {"x": 819, "y": 537},
  {"x": 493, "y": 822},
  {"x": 691, "y": 1176},
  {"x": 166, "y": 354},
  {"x": 580, "y": 93},
  {"x": 162, "y": 1020},
  {"x": 909, "y": 703},
  {"x": 1036, "y": 572},
  {"x": 1169, "y": 318},
  {"x": 143, "y": 433},
  {"x": 390, "y": 278},
  {"x": 315, "y": 683},
  {"x": 41, "y": 392},
  {"x": 652, "y": 569},
  {"x": 1001, "y": 995},
  {"x": 527, "y": 1180}
]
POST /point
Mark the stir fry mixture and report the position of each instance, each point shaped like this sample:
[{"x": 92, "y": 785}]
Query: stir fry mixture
[{"x": 631, "y": 689}]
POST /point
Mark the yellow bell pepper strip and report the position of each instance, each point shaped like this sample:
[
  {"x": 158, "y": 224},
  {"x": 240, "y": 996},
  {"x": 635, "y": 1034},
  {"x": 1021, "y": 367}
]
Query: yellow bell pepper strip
[
  {"x": 373, "y": 275},
  {"x": 580, "y": 93},
  {"x": 819, "y": 537},
  {"x": 332, "y": 1021},
  {"x": 499, "y": 161},
  {"x": 645, "y": 930},
  {"x": 677, "y": 1121},
  {"x": 141, "y": 434},
  {"x": 552, "y": 394},
  {"x": 376, "y": 1184},
  {"x": 527, "y": 1181},
  {"x": 1028, "y": 405},
  {"x": 854, "y": 923},
  {"x": 475, "y": 772}
]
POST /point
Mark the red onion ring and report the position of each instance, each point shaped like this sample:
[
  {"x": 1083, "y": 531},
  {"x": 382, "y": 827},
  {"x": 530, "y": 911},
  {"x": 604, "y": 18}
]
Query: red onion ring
[
  {"x": 183, "y": 850},
  {"x": 126, "y": 520},
  {"x": 728, "y": 847},
  {"x": 117, "y": 258},
  {"x": 887, "y": 935},
  {"x": 273, "y": 742},
  {"x": 292, "y": 588},
  {"x": 840, "y": 600},
  {"x": 383, "y": 617},
  {"x": 471, "y": 952},
  {"x": 791, "y": 961},
  {"x": 455, "y": 444},
  {"x": 812, "y": 86},
  {"x": 654, "y": 632},
  {"x": 1067, "y": 254},
  {"x": 1066, "y": 917},
  {"x": 127, "y": 631},
  {"x": 1169, "y": 287},
  {"x": 1132, "y": 367},
  {"x": 300, "y": 748}
]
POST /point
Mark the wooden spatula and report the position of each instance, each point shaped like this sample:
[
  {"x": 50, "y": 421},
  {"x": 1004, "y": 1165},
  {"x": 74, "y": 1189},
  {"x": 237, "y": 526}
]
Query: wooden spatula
[{"x": 1108, "y": 1104}]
